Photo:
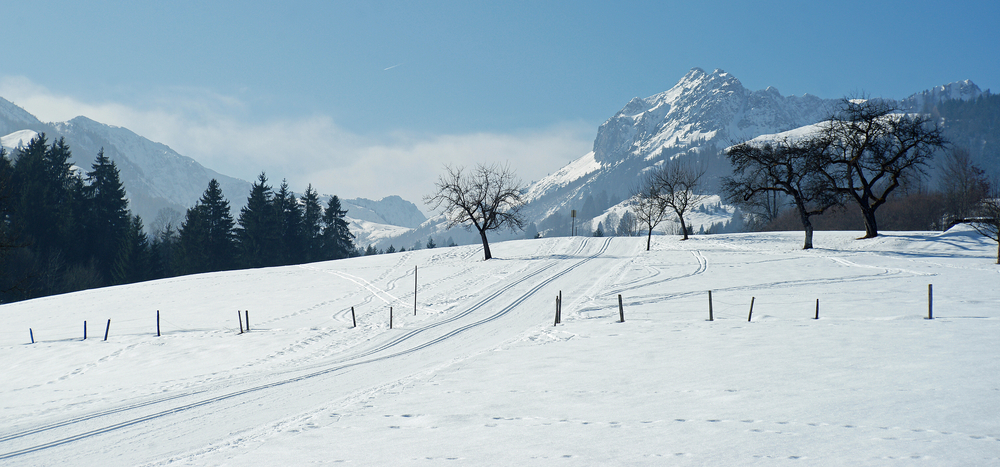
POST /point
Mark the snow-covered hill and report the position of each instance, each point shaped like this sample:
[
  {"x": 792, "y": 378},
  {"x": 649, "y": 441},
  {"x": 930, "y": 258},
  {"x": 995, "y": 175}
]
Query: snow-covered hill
[{"x": 479, "y": 375}]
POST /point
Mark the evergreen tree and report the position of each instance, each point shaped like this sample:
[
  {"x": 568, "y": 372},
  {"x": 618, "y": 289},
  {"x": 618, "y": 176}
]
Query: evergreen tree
[
  {"x": 600, "y": 230},
  {"x": 391, "y": 249},
  {"x": 430, "y": 242},
  {"x": 207, "y": 241},
  {"x": 291, "y": 239},
  {"x": 338, "y": 241},
  {"x": 108, "y": 220},
  {"x": 42, "y": 195},
  {"x": 133, "y": 262},
  {"x": 258, "y": 232},
  {"x": 312, "y": 218}
]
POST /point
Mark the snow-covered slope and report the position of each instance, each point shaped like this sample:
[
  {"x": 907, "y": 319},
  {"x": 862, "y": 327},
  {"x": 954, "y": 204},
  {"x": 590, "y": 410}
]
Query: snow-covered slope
[
  {"x": 391, "y": 210},
  {"x": 479, "y": 375}
]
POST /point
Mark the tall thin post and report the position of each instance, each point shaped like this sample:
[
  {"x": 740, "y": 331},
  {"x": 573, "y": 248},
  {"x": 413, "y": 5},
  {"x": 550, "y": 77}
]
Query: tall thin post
[
  {"x": 390, "y": 317},
  {"x": 240, "y": 317},
  {"x": 621, "y": 310},
  {"x": 247, "y": 313},
  {"x": 817, "y": 309},
  {"x": 751, "y": 309},
  {"x": 85, "y": 330},
  {"x": 930, "y": 301},
  {"x": 556, "y": 320},
  {"x": 32, "y": 334},
  {"x": 353, "y": 319},
  {"x": 710, "y": 317},
  {"x": 157, "y": 323},
  {"x": 559, "y": 309},
  {"x": 414, "y": 291},
  {"x": 107, "y": 329}
]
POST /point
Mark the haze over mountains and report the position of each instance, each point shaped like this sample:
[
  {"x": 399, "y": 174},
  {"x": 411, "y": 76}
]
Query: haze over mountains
[{"x": 692, "y": 121}]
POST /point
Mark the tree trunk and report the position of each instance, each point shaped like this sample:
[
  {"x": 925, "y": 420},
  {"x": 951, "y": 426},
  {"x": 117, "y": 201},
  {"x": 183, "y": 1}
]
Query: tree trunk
[
  {"x": 486, "y": 246},
  {"x": 806, "y": 224},
  {"x": 809, "y": 235},
  {"x": 684, "y": 228},
  {"x": 871, "y": 225},
  {"x": 649, "y": 239}
]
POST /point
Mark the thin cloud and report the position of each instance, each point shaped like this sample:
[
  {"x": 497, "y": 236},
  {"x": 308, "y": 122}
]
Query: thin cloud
[{"x": 214, "y": 130}]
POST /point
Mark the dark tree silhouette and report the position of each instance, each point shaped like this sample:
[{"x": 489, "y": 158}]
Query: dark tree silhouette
[
  {"x": 487, "y": 198},
  {"x": 782, "y": 166}
]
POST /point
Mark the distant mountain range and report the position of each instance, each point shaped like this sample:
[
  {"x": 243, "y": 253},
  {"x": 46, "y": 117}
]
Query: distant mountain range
[{"x": 692, "y": 121}]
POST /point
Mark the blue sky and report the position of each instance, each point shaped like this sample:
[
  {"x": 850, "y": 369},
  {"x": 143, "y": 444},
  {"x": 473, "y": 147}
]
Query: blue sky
[{"x": 371, "y": 98}]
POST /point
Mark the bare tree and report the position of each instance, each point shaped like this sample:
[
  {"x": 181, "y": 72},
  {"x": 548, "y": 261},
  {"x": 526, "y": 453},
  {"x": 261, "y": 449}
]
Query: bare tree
[
  {"x": 487, "y": 198},
  {"x": 987, "y": 223},
  {"x": 782, "y": 166},
  {"x": 648, "y": 206},
  {"x": 871, "y": 149},
  {"x": 676, "y": 186},
  {"x": 963, "y": 183}
]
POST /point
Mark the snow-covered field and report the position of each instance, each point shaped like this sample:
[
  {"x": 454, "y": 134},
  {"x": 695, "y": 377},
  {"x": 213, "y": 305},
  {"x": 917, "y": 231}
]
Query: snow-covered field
[{"x": 480, "y": 376}]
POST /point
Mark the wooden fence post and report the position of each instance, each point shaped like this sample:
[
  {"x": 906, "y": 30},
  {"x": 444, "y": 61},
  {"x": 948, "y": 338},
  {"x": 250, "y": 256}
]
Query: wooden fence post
[
  {"x": 84, "y": 329},
  {"x": 559, "y": 309},
  {"x": 32, "y": 334},
  {"x": 751, "y": 309},
  {"x": 710, "y": 317},
  {"x": 930, "y": 301},
  {"x": 247, "y": 313},
  {"x": 414, "y": 291},
  {"x": 353, "y": 319},
  {"x": 107, "y": 329},
  {"x": 390, "y": 317},
  {"x": 240, "y": 317},
  {"x": 556, "y": 320},
  {"x": 817, "y": 309},
  {"x": 621, "y": 310},
  {"x": 157, "y": 323}
]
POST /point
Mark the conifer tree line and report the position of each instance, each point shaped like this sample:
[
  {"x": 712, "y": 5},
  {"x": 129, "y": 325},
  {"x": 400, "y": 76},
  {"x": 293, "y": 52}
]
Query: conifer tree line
[{"x": 63, "y": 231}]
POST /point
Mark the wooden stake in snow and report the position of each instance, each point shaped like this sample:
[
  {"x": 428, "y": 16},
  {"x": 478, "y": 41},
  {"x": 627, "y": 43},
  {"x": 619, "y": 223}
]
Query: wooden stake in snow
[
  {"x": 559, "y": 309},
  {"x": 621, "y": 310},
  {"x": 556, "y": 320},
  {"x": 390, "y": 317},
  {"x": 32, "y": 334},
  {"x": 247, "y": 313},
  {"x": 353, "y": 319},
  {"x": 240, "y": 317},
  {"x": 817, "y": 309},
  {"x": 157, "y": 323},
  {"x": 751, "y": 309},
  {"x": 84, "y": 330},
  {"x": 107, "y": 329},
  {"x": 930, "y": 301},
  {"x": 414, "y": 291},
  {"x": 710, "y": 317}
]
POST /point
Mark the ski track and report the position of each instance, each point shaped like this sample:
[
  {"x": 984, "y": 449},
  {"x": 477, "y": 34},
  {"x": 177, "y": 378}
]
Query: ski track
[{"x": 356, "y": 359}]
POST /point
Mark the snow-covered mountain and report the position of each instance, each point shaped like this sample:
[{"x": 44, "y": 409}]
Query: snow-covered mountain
[
  {"x": 960, "y": 90},
  {"x": 154, "y": 175},
  {"x": 691, "y": 122},
  {"x": 391, "y": 210}
]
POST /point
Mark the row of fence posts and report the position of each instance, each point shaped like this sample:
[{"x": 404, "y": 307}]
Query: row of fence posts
[
  {"x": 930, "y": 305},
  {"x": 558, "y": 318},
  {"x": 711, "y": 314}
]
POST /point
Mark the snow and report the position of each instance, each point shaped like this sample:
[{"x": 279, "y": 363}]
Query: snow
[
  {"x": 17, "y": 139},
  {"x": 564, "y": 176},
  {"x": 480, "y": 376}
]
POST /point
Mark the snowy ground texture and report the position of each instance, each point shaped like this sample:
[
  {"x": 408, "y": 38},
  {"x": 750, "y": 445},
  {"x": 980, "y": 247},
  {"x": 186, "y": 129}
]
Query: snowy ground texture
[{"x": 480, "y": 376}]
